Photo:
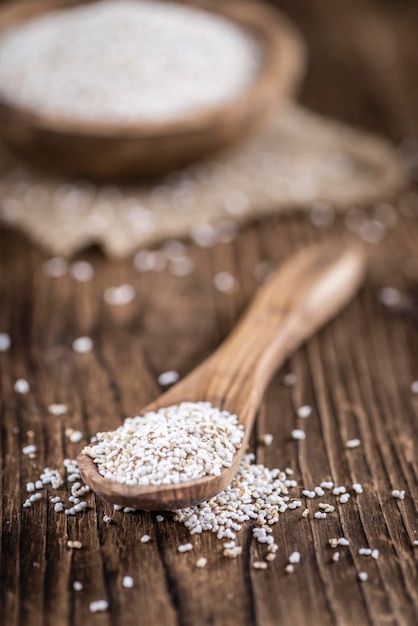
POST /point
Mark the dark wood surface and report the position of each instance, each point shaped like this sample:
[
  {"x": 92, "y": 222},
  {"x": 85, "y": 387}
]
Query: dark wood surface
[{"x": 356, "y": 374}]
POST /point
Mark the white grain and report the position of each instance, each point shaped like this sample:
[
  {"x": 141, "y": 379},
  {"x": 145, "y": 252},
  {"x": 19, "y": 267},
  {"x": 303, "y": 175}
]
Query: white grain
[
  {"x": 224, "y": 281},
  {"x": 98, "y": 606},
  {"x": 342, "y": 541},
  {"x": 327, "y": 484},
  {"x": 5, "y": 342},
  {"x": 294, "y": 557},
  {"x": 298, "y": 435},
  {"x": 304, "y": 411},
  {"x": 232, "y": 553},
  {"x": 266, "y": 439},
  {"x": 185, "y": 547},
  {"x": 82, "y": 271},
  {"x": 119, "y": 296},
  {"x": 353, "y": 443},
  {"x": 127, "y": 582},
  {"x": 21, "y": 386},
  {"x": 260, "y": 565},
  {"x": 82, "y": 345},
  {"x": 168, "y": 378},
  {"x": 309, "y": 494},
  {"x": 57, "y": 409},
  {"x": 76, "y": 436},
  {"x": 30, "y": 449},
  {"x": 290, "y": 379},
  {"x": 390, "y": 296}
]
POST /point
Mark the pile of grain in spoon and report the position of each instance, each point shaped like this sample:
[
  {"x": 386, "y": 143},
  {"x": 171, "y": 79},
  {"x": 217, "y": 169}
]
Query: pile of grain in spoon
[{"x": 175, "y": 444}]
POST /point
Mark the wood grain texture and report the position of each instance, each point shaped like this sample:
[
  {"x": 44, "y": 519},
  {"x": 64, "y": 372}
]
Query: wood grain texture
[{"x": 356, "y": 375}]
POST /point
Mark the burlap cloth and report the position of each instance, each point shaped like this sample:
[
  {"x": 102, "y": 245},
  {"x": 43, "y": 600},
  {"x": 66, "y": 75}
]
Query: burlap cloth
[{"x": 299, "y": 160}]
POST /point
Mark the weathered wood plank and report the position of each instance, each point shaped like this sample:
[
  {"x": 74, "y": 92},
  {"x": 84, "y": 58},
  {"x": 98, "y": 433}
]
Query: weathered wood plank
[{"x": 356, "y": 375}]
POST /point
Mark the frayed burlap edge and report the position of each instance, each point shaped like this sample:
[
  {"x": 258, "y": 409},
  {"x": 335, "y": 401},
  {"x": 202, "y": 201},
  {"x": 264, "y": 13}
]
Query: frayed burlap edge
[{"x": 300, "y": 160}]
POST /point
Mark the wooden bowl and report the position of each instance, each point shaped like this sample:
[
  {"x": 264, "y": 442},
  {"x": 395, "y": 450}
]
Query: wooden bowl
[{"x": 112, "y": 151}]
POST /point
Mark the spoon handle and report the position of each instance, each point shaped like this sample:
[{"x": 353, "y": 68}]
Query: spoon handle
[{"x": 303, "y": 294}]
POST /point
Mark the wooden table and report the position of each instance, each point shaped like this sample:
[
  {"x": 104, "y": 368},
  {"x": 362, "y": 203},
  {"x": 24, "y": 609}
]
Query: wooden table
[{"x": 356, "y": 374}]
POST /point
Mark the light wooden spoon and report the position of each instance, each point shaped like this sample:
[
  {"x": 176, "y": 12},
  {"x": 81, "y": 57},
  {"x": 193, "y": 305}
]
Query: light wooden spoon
[{"x": 303, "y": 294}]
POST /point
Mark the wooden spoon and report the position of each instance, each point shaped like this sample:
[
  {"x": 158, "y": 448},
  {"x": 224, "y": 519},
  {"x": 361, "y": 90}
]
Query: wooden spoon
[{"x": 303, "y": 294}]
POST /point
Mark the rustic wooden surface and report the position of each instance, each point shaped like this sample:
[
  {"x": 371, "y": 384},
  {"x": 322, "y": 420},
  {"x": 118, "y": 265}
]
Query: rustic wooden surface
[{"x": 356, "y": 374}]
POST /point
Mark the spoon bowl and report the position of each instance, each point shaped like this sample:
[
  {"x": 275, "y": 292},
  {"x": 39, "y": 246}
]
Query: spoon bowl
[{"x": 304, "y": 293}]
